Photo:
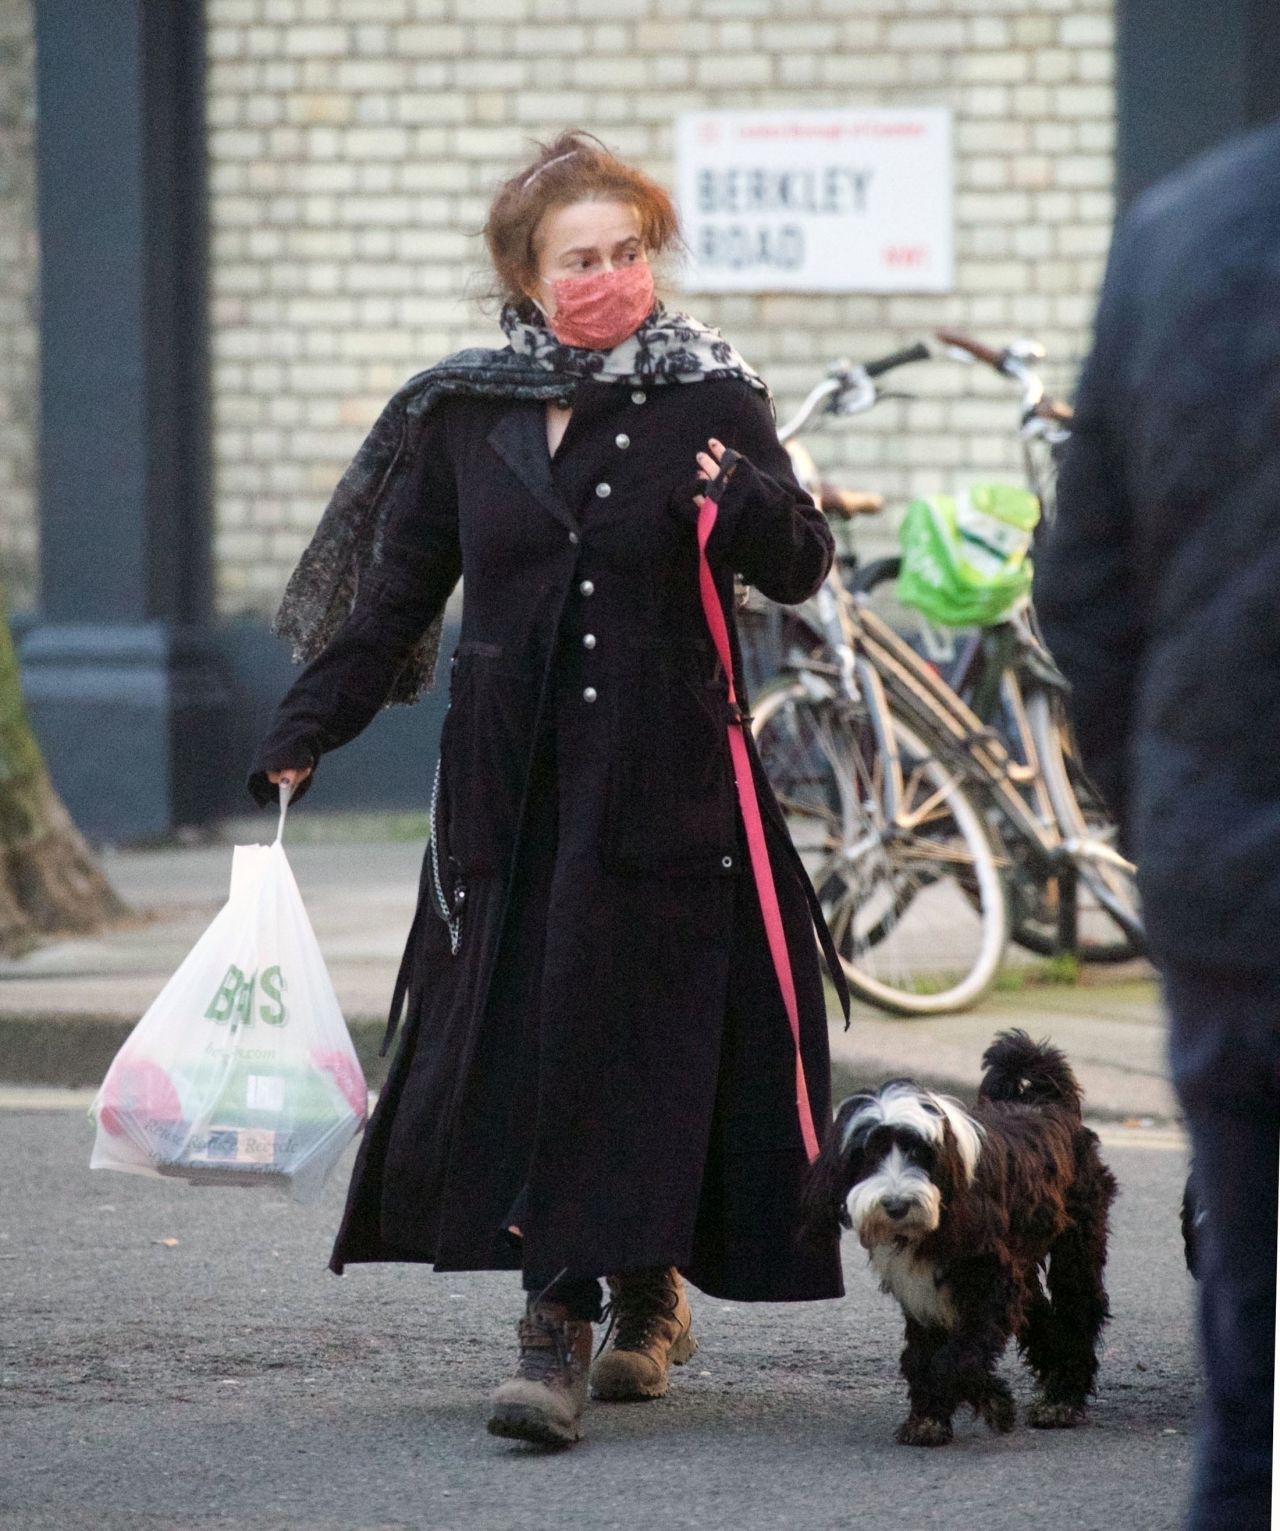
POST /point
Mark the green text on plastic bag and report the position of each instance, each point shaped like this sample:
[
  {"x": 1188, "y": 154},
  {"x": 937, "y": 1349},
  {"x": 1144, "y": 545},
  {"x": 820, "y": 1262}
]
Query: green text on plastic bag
[{"x": 964, "y": 557}]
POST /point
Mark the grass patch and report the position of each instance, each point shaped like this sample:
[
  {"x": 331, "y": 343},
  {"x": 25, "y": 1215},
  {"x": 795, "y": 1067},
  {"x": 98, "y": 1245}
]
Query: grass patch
[
  {"x": 932, "y": 983},
  {"x": 1060, "y": 971}
]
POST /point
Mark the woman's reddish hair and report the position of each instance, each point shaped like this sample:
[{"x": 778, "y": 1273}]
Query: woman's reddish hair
[{"x": 575, "y": 167}]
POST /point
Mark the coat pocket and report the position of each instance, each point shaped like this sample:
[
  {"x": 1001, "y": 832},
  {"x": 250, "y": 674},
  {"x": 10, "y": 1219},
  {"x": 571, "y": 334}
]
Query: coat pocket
[
  {"x": 484, "y": 745},
  {"x": 670, "y": 808}
]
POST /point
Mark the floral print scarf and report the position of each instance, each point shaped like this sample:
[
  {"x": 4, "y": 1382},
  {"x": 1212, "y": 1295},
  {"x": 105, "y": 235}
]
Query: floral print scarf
[{"x": 667, "y": 348}]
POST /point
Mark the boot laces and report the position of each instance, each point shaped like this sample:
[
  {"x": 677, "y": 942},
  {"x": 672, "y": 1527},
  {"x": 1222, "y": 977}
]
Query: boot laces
[
  {"x": 637, "y": 1303},
  {"x": 544, "y": 1347}
]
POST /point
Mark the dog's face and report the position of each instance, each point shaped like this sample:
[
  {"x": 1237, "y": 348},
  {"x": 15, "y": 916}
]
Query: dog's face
[{"x": 891, "y": 1162}]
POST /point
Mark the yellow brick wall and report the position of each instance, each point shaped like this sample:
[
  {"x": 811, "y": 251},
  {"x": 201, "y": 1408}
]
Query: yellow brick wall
[{"x": 354, "y": 144}]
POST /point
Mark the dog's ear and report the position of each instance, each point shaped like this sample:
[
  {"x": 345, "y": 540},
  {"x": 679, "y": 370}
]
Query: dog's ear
[
  {"x": 952, "y": 1180},
  {"x": 947, "y": 1171},
  {"x": 822, "y": 1208},
  {"x": 822, "y": 1203},
  {"x": 853, "y": 1126}
]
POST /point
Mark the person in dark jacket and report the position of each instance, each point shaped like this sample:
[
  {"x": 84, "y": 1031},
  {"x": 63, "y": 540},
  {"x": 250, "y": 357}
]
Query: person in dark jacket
[
  {"x": 1159, "y": 594},
  {"x": 597, "y": 1075}
]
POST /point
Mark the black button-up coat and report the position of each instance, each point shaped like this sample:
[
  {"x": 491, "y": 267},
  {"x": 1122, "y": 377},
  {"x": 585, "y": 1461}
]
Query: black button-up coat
[{"x": 605, "y": 1063}]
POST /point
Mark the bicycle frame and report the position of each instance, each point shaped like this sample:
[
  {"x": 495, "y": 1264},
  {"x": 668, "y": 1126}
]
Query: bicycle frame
[
  {"x": 851, "y": 677},
  {"x": 872, "y": 666},
  {"x": 972, "y": 742}
]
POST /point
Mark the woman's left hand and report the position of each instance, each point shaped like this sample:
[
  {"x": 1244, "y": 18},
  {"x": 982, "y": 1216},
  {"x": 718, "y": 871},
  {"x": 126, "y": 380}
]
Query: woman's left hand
[
  {"x": 715, "y": 467},
  {"x": 712, "y": 461}
]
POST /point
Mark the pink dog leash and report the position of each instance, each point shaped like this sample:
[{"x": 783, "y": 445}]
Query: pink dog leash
[{"x": 750, "y": 806}]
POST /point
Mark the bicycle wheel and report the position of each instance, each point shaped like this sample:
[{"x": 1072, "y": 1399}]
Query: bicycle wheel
[
  {"x": 1108, "y": 914},
  {"x": 913, "y": 896},
  {"x": 1107, "y": 917}
]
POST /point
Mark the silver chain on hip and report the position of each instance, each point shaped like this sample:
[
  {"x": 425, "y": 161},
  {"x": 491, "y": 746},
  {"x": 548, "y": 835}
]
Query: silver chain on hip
[{"x": 452, "y": 918}]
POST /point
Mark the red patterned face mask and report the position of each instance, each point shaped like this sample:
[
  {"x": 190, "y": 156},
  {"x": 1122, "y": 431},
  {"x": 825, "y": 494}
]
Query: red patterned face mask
[{"x": 600, "y": 310}]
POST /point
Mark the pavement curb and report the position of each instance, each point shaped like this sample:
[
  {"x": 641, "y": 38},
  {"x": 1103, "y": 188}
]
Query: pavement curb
[
  {"x": 850, "y": 1075},
  {"x": 75, "y": 1051}
]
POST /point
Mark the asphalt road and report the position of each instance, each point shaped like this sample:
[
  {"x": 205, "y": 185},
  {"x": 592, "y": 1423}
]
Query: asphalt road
[{"x": 228, "y": 1380}]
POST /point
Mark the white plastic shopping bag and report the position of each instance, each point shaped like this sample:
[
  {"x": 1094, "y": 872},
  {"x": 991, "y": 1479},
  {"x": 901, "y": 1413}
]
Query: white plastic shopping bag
[{"x": 242, "y": 1071}]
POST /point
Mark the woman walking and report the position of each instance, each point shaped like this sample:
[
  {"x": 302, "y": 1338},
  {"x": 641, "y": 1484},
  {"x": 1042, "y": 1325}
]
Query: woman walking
[{"x": 597, "y": 1076}]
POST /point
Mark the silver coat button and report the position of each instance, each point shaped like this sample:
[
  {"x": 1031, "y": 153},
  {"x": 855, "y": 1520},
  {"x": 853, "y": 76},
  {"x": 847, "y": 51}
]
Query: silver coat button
[
  {"x": 589, "y": 695},
  {"x": 638, "y": 397},
  {"x": 622, "y": 441},
  {"x": 603, "y": 491},
  {"x": 573, "y": 537},
  {"x": 588, "y": 640},
  {"x": 726, "y": 862},
  {"x": 587, "y": 588}
]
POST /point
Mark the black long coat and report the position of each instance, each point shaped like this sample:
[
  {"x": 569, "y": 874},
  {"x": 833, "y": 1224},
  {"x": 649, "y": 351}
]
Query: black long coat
[{"x": 605, "y": 1063}]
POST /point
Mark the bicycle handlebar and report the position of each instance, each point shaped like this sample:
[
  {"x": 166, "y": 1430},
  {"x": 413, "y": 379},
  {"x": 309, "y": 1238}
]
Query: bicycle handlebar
[
  {"x": 1014, "y": 362},
  {"x": 980, "y": 352},
  {"x": 849, "y": 389},
  {"x": 917, "y": 352}
]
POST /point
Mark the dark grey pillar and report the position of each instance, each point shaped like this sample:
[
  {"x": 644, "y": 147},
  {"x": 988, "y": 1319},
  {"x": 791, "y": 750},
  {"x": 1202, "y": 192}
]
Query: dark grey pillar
[
  {"x": 120, "y": 668},
  {"x": 1188, "y": 75}
]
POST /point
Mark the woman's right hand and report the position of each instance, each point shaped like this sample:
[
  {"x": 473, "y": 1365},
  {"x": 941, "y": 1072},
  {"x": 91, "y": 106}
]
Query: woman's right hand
[{"x": 293, "y": 776}]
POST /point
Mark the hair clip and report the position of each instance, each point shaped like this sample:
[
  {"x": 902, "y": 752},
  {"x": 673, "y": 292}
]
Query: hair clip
[{"x": 534, "y": 174}]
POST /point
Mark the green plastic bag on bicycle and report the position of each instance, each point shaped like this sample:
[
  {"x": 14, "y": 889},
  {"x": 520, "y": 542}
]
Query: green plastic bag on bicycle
[{"x": 964, "y": 556}]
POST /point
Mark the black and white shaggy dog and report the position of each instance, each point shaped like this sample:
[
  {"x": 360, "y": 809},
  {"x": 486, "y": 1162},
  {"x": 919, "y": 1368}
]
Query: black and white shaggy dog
[{"x": 960, "y": 1214}]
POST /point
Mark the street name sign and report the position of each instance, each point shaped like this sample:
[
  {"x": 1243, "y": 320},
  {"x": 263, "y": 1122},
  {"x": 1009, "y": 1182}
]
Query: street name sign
[{"x": 817, "y": 201}]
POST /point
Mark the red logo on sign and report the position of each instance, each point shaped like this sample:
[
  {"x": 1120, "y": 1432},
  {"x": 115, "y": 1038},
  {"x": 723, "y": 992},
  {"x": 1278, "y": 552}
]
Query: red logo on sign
[{"x": 906, "y": 255}]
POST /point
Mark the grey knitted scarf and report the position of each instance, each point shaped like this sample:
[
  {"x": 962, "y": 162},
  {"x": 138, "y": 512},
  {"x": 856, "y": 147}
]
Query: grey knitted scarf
[{"x": 667, "y": 348}]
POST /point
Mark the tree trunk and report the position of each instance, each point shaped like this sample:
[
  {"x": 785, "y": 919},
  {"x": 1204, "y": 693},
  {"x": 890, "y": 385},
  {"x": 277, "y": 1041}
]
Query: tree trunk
[{"x": 50, "y": 883}]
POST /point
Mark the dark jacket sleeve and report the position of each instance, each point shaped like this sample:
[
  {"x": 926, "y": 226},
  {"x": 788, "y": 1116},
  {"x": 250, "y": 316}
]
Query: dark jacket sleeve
[
  {"x": 1085, "y": 586},
  {"x": 344, "y": 686},
  {"x": 768, "y": 529}
]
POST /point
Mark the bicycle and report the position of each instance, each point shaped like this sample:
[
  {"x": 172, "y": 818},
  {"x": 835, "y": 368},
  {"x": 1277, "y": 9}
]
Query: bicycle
[
  {"x": 1010, "y": 682},
  {"x": 902, "y": 802},
  {"x": 894, "y": 842}
]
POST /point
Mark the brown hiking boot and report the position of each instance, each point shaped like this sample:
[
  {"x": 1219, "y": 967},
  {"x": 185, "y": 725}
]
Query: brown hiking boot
[
  {"x": 652, "y": 1331},
  {"x": 543, "y": 1402}
]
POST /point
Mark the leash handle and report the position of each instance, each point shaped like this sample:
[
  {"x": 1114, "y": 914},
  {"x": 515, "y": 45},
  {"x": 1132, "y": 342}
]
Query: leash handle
[{"x": 749, "y": 804}]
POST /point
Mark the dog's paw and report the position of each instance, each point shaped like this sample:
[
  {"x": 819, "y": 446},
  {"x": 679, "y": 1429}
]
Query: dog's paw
[
  {"x": 1043, "y": 1415},
  {"x": 919, "y": 1431},
  {"x": 998, "y": 1408}
]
